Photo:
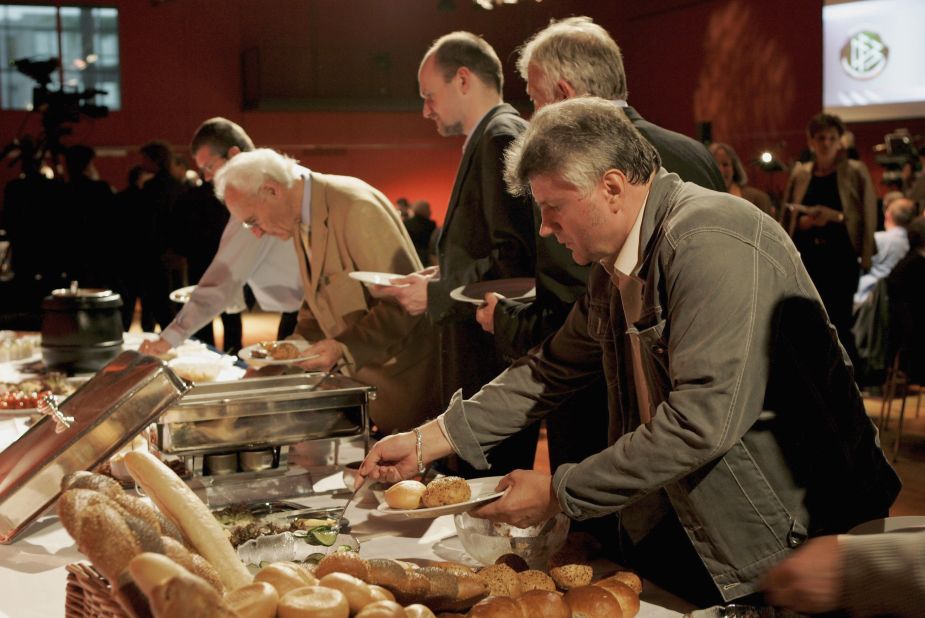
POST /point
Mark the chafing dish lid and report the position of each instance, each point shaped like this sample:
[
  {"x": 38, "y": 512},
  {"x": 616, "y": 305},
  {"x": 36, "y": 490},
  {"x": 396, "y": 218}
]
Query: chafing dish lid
[{"x": 121, "y": 400}]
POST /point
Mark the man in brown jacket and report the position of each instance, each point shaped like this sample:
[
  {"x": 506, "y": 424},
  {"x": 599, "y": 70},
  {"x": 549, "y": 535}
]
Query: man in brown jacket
[{"x": 339, "y": 225}]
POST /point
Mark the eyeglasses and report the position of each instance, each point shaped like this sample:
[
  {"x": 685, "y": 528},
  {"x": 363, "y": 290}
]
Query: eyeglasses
[
  {"x": 251, "y": 224},
  {"x": 210, "y": 167}
]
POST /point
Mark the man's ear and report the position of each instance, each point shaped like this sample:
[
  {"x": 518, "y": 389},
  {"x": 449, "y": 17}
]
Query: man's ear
[
  {"x": 269, "y": 189},
  {"x": 564, "y": 90},
  {"x": 614, "y": 185},
  {"x": 233, "y": 151},
  {"x": 464, "y": 77}
]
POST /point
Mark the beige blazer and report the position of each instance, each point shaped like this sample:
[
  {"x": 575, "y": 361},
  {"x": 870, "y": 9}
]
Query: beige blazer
[
  {"x": 354, "y": 227},
  {"x": 858, "y": 199}
]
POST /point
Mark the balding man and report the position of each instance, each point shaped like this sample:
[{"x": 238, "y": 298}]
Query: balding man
[{"x": 892, "y": 245}]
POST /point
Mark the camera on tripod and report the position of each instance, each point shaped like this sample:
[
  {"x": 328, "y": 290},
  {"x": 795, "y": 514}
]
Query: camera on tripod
[{"x": 898, "y": 150}]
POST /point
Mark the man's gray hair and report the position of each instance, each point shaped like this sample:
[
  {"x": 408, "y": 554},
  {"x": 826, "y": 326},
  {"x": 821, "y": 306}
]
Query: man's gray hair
[
  {"x": 579, "y": 139},
  {"x": 249, "y": 170},
  {"x": 902, "y": 211},
  {"x": 580, "y": 52}
]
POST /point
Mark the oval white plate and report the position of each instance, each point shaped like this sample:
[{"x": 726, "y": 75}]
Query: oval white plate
[
  {"x": 483, "y": 490},
  {"x": 246, "y": 355},
  {"x": 372, "y": 278},
  {"x": 522, "y": 288},
  {"x": 182, "y": 295}
]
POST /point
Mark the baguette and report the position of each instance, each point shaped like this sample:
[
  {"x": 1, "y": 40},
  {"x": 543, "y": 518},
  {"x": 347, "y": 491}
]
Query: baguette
[{"x": 184, "y": 508}]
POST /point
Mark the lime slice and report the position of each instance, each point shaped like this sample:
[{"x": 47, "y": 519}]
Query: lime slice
[
  {"x": 314, "y": 558},
  {"x": 322, "y": 535}
]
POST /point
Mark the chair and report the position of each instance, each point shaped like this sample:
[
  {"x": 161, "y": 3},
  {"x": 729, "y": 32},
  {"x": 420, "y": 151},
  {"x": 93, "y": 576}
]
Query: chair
[{"x": 900, "y": 377}]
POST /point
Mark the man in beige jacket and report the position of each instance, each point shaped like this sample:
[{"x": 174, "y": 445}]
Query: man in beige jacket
[{"x": 339, "y": 225}]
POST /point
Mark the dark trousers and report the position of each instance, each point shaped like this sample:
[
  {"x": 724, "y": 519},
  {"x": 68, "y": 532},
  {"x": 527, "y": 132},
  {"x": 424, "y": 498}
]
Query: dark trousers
[
  {"x": 231, "y": 324},
  {"x": 287, "y": 324},
  {"x": 468, "y": 361}
]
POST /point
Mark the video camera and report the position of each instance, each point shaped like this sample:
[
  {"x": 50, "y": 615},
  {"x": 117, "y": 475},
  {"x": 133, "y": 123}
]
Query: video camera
[{"x": 58, "y": 107}]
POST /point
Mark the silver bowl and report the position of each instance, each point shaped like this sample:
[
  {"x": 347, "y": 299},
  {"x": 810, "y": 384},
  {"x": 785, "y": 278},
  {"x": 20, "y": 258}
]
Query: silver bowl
[{"x": 485, "y": 541}]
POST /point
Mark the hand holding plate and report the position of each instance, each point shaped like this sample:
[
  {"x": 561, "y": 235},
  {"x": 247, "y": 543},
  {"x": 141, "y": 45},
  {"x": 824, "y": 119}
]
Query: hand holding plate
[
  {"x": 485, "y": 314},
  {"x": 158, "y": 347},
  {"x": 528, "y": 501},
  {"x": 324, "y": 355},
  {"x": 412, "y": 295}
]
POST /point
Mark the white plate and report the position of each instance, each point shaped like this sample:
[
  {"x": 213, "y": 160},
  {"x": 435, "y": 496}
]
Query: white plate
[
  {"x": 521, "y": 288},
  {"x": 246, "y": 355},
  {"x": 483, "y": 490},
  {"x": 372, "y": 278},
  {"x": 182, "y": 295}
]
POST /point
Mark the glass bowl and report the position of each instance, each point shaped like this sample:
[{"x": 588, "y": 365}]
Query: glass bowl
[{"x": 485, "y": 540}]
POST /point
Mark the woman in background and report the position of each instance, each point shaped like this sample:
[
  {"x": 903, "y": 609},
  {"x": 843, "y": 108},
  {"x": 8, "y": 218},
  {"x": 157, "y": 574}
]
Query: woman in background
[
  {"x": 736, "y": 179},
  {"x": 835, "y": 225}
]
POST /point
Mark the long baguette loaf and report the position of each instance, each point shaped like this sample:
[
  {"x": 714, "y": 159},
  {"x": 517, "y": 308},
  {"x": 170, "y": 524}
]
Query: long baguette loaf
[
  {"x": 173, "y": 591},
  {"x": 184, "y": 508}
]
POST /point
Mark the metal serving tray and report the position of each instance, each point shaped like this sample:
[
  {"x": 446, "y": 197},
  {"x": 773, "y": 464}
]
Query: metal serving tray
[
  {"x": 108, "y": 411},
  {"x": 270, "y": 411}
]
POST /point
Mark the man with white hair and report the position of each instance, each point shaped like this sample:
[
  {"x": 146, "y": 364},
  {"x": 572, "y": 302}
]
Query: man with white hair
[{"x": 338, "y": 225}]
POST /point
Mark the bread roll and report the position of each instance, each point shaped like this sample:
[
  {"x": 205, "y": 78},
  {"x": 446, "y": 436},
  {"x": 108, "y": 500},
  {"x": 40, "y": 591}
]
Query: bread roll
[
  {"x": 314, "y": 602},
  {"x": 414, "y": 588},
  {"x": 571, "y": 575},
  {"x": 457, "y": 568},
  {"x": 386, "y": 573},
  {"x": 356, "y": 590},
  {"x": 514, "y": 561},
  {"x": 383, "y": 609},
  {"x": 150, "y": 570},
  {"x": 496, "y": 607},
  {"x": 630, "y": 579},
  {"x": 180, "y": 505},
  {"x": 535, "y": 580},
  {"x": 592, "y": 602},
  {"x": 142, "y": 510},
  {"x": 103, "y": 531},
  {"x": 285, "y": 576},
  {"x": 257, "y": 600},
  {"x": 500, "y": 579},
  {"x": 418, "y": 611},
  {"x": 188, "y": 596},
  {"x": 194, "y": 563},
  {"x": 405, "y": 495},
  {"x": 446, "y": 490},
  {"x": 543, "y": 604},
  {"x": 343, "y": 562},
  {"x": 625, "y": 596},
  {"x": 380, "y": 594},
  {"x": 444, "y": 587},
  {"x": 93, "y": 481}
]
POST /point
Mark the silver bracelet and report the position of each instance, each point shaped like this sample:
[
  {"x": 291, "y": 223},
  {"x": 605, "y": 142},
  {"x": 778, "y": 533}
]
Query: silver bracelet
[{"x": 420, "y": 446}]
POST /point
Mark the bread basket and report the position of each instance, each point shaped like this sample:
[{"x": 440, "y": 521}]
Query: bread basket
[{"x": 89, "y": 594}]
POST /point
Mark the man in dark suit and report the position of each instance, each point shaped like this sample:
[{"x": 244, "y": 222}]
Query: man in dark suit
[
  {"x": 487, "y": 233},
  {"x": 568, "y": 58},
  {"x": 421, "y": 227}
]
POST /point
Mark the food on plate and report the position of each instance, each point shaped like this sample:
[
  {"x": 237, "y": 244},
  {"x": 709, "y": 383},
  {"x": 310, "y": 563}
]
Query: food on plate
[
  {"x": 514, "y": 561},
  {"x": 405, "y": 495},
  {"x": 285, "y": 576},
  {"x": 383, "y": 609},
  {"x": 629, "y": 578},
  {"x": 500, "y": 579},
  {"x": 184, "y": 508},
  {"x": 592, "y": 602},
  {"x": 27, "y": 394},
  {"x": 242, "y": 524},
  {"x": 173, "y": 591},
  {"x": 535, "y": 580},
  {"x": 570, "y": 576},
  {"x": 625, "y": 596},
  {"x": 446, "y": 490},
  {"x": 257, "y": 600},
  {"x": 543, "y": 604},
  {"x": 276, "y": 350},
  {"x": 313, "y": 602},
  {"x": 355, "y": 590}
]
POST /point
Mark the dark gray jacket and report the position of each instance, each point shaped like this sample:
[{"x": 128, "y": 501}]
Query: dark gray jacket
[{"x": 759, "y": 436}]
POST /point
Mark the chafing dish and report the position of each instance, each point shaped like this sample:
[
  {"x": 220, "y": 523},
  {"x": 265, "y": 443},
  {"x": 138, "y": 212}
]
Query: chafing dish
[
  {"x": 260, "y": 418},
  {"x": 119, "y": 402}
]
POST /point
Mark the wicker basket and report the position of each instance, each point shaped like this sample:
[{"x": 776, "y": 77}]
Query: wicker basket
[{"x": 89, "y": 594}]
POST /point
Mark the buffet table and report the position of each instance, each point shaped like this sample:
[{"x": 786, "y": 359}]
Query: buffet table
[{"x": 32, "y": 569}]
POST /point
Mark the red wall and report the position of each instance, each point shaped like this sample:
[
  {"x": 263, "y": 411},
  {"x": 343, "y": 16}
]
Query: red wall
[{"x": 752, "y": 69}]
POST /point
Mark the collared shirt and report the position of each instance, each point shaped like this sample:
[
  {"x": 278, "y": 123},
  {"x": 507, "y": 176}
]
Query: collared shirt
[
  {"x": 306, "y": 211},
  {"x": 628, "y": 257}
]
